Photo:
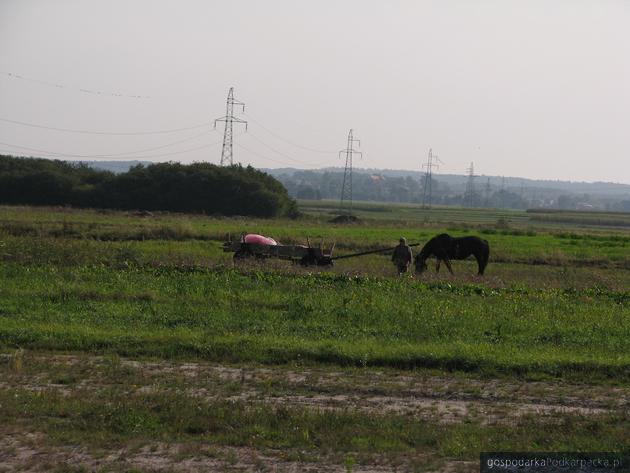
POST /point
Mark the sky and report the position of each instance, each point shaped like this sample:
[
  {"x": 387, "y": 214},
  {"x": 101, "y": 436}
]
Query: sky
[{"x": 531, "y": 88}]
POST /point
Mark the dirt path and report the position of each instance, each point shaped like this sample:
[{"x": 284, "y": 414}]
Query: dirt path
[
  {"x": 447, "y": 399},
  {"x": 21, "y": 453},
  {"x": 421, "y": 394}
]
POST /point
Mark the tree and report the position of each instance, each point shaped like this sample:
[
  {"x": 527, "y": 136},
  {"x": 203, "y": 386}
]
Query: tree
[{"x": 199, "y": 187}]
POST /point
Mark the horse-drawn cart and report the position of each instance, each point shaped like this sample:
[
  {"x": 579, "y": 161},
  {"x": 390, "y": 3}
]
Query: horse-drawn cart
[
  {"x": 261, "y": 247},
  {"x": 251, "y": 245},
  {"x": 443, "y": 247}
]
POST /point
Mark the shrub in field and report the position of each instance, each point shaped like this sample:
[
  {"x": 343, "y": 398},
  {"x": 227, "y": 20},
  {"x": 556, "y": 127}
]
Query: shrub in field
[{"x": 198, "y": 188}]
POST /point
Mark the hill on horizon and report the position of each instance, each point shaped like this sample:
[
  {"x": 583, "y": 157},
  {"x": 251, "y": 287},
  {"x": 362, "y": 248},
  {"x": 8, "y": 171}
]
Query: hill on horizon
[{"x": 510, "y": 181}]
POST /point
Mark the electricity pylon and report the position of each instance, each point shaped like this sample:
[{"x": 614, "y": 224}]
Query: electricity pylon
[
  {"x": 469, "y": 195},
  {"x": 345, "y": 205},
  {"x": 428, "y": 177},
  {"x": 229, "y": 118},
  {"x": 488, "y": 189}
]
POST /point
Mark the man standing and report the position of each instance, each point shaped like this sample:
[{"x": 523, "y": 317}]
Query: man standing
[{"x": 402, "y": 256}]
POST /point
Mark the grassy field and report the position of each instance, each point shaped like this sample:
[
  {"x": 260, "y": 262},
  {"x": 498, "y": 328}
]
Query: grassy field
[
  {"x": 135, "y": 344},
  {"x": 408, "y": 213}
]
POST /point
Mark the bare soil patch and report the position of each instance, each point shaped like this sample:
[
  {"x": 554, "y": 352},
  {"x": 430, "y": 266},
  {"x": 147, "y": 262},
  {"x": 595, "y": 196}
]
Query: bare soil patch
[
  {"x": 20, "y": 452},
  {"x": 423, "y": 395},
  {"x": 426, "y": 395}
]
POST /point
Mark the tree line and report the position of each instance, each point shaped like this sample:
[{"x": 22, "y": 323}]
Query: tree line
[
  {"x": 315, "y": 185},
  {"x": 446, "y": 190},
  {"x": 197, "y": 188}
]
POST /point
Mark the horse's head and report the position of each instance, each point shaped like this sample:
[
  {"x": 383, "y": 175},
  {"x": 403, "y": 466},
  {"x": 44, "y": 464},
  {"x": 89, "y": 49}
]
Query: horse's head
[{"x": 421, "y": 265}]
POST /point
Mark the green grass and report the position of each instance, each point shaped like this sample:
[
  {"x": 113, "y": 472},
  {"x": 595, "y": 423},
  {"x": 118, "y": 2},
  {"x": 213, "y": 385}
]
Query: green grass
[
  {"x": 274, "y": 318},
  {"x": 553, "y": 306},
  {"x": 440, "y": 214},
  {"x": 89, "y": 281},
  {"x": 45, "y": 234},
  {"x": 547, "y": 249}
]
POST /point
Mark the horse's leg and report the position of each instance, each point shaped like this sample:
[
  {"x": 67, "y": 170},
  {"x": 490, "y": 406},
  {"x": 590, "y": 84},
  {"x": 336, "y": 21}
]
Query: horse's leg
[
  {"x": 480, "y": 265},
  {"x": 447, "y": 262},
  {"x": 482, "y": 259},
  {"x": 486, "y": 256},
  {"x": 437, "y": 264}
]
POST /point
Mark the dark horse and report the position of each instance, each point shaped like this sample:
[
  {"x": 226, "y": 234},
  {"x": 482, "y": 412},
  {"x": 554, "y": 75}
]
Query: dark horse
[{"x": 445, "y": 248}]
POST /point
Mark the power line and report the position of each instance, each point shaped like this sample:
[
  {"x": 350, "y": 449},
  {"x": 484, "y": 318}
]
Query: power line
[
  {"x": 70, "y": 155},
  {"x": 251, "y": 135},
  {"x": 76, "y": 89},
  {"x": 90, "y": 132},
  {"x": 255, "y": 153},
  {"x": 156, "y": 147},
  {"x": 126, "y": 154},
  {"x": 286, "y": 140},
  {"x": 229, "y": 119}
]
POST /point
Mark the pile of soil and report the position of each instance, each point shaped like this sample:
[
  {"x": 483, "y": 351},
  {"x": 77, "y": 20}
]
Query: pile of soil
[{"x": 345, "y": 219}]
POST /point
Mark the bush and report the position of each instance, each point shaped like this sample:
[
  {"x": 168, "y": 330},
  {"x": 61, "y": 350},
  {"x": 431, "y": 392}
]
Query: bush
[{"x": 197, "y": 188}]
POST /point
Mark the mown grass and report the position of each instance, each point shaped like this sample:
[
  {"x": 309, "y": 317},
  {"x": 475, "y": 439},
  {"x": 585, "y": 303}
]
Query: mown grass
[{"x": 275, "y": 318}]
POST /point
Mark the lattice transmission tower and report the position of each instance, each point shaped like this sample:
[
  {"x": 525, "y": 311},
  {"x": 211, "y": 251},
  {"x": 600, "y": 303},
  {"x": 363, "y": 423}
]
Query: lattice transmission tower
[
  {"x": 427, "y": 192},
  {"x": 487, "y": 192},
  {"x": 345, "y": 204},
  {"x": 469, "y": 195},
  {"x": 229, "y": 119}
]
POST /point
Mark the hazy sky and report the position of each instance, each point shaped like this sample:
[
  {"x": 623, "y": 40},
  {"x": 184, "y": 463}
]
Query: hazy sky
[{"x": 530, "y": 88}]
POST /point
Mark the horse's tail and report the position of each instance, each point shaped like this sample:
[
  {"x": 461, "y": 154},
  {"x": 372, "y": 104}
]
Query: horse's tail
[{"x": 484, "y": 256}]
